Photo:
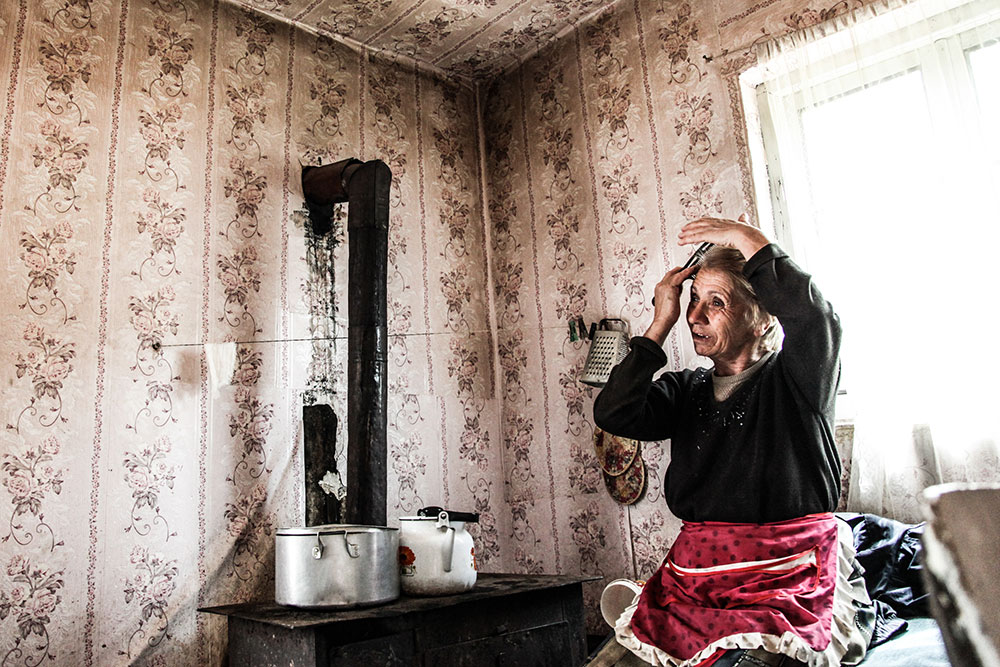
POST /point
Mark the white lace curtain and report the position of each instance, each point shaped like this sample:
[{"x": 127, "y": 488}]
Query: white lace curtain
[{"x": 876, "y": 147}]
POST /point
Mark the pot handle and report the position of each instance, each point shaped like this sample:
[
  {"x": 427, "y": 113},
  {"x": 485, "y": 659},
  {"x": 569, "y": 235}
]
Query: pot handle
[
  {"x": 449, "y": 544},
  {"x": 352, "y": 549}
]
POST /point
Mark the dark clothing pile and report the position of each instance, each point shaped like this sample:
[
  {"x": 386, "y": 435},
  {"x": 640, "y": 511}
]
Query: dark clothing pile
[{"x": 890, "y": 553}]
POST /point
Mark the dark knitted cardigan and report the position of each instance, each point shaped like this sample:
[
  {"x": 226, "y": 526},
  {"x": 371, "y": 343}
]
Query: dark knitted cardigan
[{"x": 766, "y": 453}]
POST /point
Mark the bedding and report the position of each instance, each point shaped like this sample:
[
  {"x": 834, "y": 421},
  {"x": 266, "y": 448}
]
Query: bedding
[
  {"x": 905, "y": 633},
  {"x": 920, "y": 645},
  {"x": 889, "y": 552}
]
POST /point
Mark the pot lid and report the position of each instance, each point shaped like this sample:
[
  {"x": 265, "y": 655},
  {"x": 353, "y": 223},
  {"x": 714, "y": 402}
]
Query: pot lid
[{"x": 332, "y": 529}]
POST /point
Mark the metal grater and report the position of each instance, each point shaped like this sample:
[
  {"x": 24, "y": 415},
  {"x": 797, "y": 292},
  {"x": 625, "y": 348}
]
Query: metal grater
[{"x": 607, "y": 348}]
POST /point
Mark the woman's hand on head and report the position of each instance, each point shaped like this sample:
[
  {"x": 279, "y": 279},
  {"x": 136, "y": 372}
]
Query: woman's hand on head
[
  {"x": 667, "y": 303},
  {"x": 722, "y": 232}
]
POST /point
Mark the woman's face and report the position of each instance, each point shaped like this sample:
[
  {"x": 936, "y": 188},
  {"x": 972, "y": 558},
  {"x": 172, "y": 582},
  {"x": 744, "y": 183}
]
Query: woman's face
[{"x": 718, "y": 323}]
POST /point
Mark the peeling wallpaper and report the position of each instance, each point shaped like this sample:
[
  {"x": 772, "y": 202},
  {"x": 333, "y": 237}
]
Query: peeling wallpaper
[{"x": 150, "y": 204}]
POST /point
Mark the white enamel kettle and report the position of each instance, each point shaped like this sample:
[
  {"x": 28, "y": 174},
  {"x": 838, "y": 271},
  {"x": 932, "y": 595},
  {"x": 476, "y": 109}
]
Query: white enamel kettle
[{"x": 437, "y": 555}]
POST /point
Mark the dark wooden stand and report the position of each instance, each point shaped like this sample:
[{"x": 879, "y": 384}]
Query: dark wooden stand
[{"x": 507, "y": 619}]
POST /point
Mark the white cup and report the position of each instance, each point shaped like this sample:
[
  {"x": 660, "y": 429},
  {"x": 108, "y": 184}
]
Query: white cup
[{"x": 617, "y": 596}]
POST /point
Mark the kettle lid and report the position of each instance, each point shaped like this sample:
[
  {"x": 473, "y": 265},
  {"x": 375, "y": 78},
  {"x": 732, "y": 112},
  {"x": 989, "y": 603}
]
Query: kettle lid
[{"x": 433, "y": 511}]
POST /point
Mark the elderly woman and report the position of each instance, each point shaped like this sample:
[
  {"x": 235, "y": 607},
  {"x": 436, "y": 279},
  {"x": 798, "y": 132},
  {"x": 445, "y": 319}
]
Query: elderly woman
[{"x": 761, "y": 573}]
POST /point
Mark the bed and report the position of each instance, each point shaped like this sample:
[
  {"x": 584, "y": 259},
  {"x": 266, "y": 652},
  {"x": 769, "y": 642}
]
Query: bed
[{"x": 919, "y": 646}]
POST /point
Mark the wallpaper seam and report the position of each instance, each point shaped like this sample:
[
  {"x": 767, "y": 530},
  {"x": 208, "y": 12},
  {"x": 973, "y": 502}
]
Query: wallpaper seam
[
  {"x": 8, "y": 121},
  {"x": 488, "y": 240},
  {"x": 741, "y": 138},
  {"x": 588, "y": 139},
  {"x": 445, "y": 487},
  {"x": 492, "y": 332},
  {"x": 200, "y": 620},
  {"x": 293, "y": 412},
  {"x": 675, "y": 352},
  {"x": 421, "y": 197},
  {"x": 538, "y": 308},
  {"x": 102, "y": 337},
  {"x": 653, "y": 137},
  {"x": 362, "y": 89}
]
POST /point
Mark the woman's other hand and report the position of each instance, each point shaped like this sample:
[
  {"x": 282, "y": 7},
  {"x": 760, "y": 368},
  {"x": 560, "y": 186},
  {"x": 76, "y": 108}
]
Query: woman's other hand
[
  {"x": 667, "y": 303},
  {"x": 730, "y": 233}
]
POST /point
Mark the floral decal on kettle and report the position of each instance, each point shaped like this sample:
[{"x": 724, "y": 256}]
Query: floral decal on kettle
[{"x": 406, "y": 562}]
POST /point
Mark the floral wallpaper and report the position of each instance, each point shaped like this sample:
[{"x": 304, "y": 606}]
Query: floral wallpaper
[{"x": 150, "y": 210}]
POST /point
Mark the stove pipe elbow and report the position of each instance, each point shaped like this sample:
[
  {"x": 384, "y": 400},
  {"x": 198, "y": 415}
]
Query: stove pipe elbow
[{"x": 365, "y": 188}]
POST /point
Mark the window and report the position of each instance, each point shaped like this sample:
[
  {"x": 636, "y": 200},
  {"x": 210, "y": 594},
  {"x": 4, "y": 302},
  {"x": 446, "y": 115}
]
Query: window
[{"x": 877, "y": 157}]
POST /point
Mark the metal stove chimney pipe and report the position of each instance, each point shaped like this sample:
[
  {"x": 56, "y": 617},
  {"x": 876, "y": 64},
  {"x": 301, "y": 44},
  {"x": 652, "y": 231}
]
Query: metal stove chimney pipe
[{"x": 365, "y": 188}]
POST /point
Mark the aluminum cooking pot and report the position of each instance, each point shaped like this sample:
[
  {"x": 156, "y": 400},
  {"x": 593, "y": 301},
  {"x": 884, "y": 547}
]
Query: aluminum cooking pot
[{"x": 336, "y": 565}]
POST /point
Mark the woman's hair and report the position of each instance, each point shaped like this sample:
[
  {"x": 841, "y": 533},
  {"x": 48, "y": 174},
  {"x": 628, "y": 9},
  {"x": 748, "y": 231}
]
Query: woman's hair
[{"x": 730, "y": 262}]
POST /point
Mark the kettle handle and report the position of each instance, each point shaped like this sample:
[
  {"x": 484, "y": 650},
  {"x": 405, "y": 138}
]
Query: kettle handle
[
  {"x": 448, "y": 547},
  {"x": 464, "y": 517}
]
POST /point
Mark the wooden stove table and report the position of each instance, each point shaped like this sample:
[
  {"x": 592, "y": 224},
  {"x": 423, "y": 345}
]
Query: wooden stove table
[{"x": 507, "y": 619}]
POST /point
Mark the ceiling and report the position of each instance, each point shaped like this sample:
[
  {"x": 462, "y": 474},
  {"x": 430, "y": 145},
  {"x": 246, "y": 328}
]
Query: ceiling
[{"x": 468, "y": 40}]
